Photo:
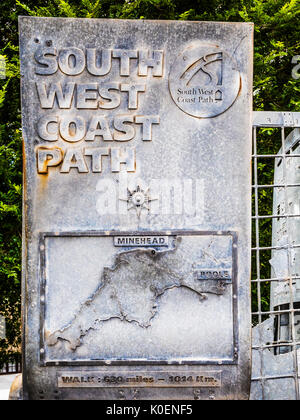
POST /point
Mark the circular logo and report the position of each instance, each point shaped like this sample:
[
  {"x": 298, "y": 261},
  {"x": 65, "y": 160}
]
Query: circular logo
[
  {"x": 204, "y": 81},
  {"x": 138, "y": 198}
]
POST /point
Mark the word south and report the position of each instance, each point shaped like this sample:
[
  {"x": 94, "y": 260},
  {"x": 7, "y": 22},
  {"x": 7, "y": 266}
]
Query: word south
[{"x": 73, "y": 61}]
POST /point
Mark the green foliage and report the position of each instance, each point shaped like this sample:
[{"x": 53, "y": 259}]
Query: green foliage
[
  {"x": 276, "y": 42},
  {"x": 10, "y": 202}
]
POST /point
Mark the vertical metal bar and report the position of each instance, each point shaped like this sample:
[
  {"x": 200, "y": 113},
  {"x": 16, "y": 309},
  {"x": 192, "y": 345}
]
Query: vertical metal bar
[
  {"x": 289, "y": 258},
  {"x": 258, "y": 283},
  {"x": 257, "y": 224}
]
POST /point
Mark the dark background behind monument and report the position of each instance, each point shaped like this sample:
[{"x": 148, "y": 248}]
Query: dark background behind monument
[{"x": 276, "y": 42}]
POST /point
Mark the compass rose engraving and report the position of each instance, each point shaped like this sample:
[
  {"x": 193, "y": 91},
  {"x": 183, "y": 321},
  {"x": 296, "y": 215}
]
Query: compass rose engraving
[{"x": 138, "y": 199}]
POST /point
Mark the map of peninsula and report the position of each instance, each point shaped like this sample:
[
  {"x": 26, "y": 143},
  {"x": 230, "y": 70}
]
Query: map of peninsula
[{"x": 131, "y": 288}]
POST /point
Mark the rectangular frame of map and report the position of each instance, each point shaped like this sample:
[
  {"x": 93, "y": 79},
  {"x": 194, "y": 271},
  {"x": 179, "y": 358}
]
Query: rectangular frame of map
[{"x": 206, "y": 280}]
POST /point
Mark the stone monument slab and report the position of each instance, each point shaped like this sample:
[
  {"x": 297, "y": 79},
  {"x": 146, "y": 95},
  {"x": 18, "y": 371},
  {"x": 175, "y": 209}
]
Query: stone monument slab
[{"x": 137, "y": 208}]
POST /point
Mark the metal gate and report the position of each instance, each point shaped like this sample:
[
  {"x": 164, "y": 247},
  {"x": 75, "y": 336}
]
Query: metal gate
[
  {"x": 13, "y": 366},
  {"x": 276, "y": 256}
]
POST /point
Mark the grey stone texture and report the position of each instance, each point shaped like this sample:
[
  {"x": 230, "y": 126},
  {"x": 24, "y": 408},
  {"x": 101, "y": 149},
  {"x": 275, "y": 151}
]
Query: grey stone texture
[{"x": 137, "y": 186}]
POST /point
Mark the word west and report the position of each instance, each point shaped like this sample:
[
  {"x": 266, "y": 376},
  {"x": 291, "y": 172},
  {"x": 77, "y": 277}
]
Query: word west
[{"x": 69, "y": 122}]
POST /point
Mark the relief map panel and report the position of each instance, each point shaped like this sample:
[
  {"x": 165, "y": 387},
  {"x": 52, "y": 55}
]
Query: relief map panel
[{"x": 181, "y": 284}]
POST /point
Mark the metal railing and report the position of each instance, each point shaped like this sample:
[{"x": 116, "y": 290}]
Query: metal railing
[
  {"x": 276, "y": 256},
  {"x": 13, "y": 366}
]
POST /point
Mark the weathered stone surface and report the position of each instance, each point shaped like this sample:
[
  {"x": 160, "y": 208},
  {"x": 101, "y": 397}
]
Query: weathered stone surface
[
  {"x": 16, "y": 389},
  {"x": 272, "y": 374},
  {"x": 137, "y": 208}
]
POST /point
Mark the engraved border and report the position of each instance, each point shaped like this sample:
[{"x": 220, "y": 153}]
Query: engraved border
[{"x": 136, "y": 362}]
